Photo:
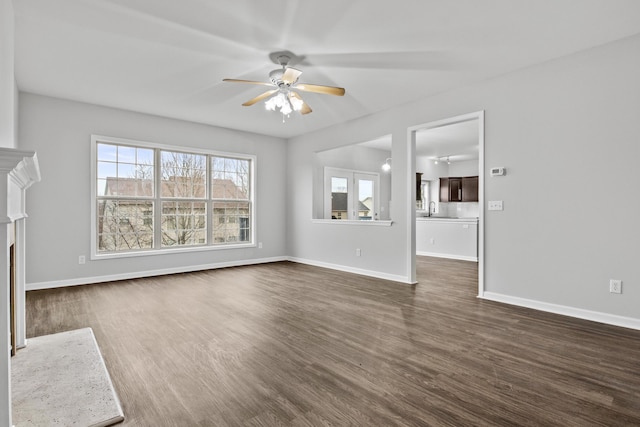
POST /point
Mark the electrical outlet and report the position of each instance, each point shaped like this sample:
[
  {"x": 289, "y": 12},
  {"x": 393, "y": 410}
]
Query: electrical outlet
[
  {"x": 358, "y": 252},
  {"x": 615, "y": 286},
  {"x": 259, "y": 245},
  {"x": 81, "y": 259},
  {"x": 432, "y": 241}
]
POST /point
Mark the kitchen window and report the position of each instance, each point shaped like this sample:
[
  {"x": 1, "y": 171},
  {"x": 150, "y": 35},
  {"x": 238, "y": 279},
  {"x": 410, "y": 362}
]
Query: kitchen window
[{"x": 150, "y": 198}]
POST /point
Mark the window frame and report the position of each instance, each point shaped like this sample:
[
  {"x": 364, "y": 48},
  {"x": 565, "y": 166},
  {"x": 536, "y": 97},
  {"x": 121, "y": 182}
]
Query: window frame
[{"x": 157, "y": 200}]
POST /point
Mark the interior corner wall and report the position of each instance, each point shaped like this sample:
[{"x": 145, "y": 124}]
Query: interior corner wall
[
  {"x": 59, "y": 225},
  {"x": 567, "y": 132}
]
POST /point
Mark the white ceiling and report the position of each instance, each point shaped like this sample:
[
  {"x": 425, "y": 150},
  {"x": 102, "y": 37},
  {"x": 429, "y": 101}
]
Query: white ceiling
[
  {"x": 455, "y": 142},
  {"x": 169, "y": 58}
]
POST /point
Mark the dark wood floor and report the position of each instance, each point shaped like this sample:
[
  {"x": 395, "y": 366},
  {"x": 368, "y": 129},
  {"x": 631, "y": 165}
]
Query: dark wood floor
[{"x": 286, "y": 344}]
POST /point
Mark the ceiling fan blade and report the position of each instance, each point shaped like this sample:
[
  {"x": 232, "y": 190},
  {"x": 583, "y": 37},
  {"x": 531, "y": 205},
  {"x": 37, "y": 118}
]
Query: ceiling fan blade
[
  {"x": 260, "y": 97},
  {"x": 305, "y": 109},
  {"x": 253, "y": 82},
  {"x": 328, "y": 90},
  {"x": 291, "y": 75}
]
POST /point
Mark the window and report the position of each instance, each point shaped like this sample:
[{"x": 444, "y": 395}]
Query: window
[
  {"x": 151, "y": 198},
  {"x": 230, "y": 196},
  {"x": 350, "y": 195},
  {"x": 183, "y": 198}
]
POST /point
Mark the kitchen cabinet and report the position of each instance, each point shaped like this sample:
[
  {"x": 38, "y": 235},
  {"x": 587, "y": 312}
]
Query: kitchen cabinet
[
  {"x": 450, "y": 189},
  {"x": 444, "y": 189},
  {"x": 470, "y": 189},
  {"x": 459, "y": 189}
]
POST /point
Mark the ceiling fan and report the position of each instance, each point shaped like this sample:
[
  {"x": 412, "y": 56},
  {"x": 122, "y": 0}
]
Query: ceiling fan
[{"x": 285, "y": 80}]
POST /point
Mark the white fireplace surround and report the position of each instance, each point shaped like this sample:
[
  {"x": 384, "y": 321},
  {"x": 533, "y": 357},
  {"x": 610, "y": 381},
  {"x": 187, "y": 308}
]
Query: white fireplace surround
[{"x": 18, "y": 171}]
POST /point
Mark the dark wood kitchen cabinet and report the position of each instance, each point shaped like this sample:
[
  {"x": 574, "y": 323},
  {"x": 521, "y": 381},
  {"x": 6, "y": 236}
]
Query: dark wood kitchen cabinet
[
  {"x": 450, "y": 189},
  {"x": 470, "y": 189},
  {"x": 444, "y": 189},
  {"x": 455, "y": 189}
]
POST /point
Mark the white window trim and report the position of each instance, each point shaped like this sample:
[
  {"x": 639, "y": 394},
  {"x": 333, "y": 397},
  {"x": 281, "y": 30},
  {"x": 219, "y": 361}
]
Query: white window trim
[{"x": 94, "y": 255}]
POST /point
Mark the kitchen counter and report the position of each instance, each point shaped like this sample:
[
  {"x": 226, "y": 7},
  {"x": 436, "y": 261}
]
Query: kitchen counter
[{"x": 447, "y": 237}]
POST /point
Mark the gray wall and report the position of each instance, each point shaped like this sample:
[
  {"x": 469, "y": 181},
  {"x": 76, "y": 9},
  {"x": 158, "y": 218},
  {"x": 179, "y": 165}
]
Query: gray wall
[
  {"x": 567, "y": 131},
  {"x": 8, "y": 100},
  {"x": 58, "y": 228}
]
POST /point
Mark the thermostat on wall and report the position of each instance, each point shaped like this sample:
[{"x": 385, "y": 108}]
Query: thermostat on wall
[{"x": 498, "y": 171}]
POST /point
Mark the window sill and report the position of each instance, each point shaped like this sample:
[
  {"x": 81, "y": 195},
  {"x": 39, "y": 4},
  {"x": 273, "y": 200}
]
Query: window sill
[
  {"x": 169, "y": 251},
  {"x": 379, "y": 223}
]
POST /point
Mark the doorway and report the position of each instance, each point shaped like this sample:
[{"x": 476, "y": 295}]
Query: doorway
[{"x": 446, "y": 155}]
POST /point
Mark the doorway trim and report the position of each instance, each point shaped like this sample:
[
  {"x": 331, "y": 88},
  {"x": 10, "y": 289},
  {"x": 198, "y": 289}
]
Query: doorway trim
[{"x": 411, "y": 180}]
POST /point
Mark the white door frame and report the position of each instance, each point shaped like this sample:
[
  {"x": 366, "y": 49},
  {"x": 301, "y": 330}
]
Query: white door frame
[{"x": 411, "y": 183}]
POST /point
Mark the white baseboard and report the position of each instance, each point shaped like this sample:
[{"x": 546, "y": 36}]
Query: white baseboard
[
  {"x": 595, "y": 316},
  {"x": 450, "y": 256},
  {"x": 148, "y": 273},
  {"x": 347, "y": 269}
]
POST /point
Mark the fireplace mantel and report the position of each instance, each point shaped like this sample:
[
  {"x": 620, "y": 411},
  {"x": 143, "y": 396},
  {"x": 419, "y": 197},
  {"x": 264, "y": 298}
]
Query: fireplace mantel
[{"x": 18, "y": 171}]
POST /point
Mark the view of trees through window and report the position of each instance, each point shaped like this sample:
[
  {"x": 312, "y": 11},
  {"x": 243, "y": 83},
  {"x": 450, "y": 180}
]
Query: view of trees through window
[{"x": 150, "y": 198}]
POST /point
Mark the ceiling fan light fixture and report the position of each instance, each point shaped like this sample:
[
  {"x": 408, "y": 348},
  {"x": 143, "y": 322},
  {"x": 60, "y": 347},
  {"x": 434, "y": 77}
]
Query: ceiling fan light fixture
[
  {"x": 284, "y": 103},
  {"x": 278, "y": 101},
  {"x": 282, "y": 98},
  {"x": 296, "y": 103}
]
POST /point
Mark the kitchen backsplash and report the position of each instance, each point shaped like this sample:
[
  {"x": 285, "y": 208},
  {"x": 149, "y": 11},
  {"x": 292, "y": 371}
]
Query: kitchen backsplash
[{"x": 462, "y": 210}]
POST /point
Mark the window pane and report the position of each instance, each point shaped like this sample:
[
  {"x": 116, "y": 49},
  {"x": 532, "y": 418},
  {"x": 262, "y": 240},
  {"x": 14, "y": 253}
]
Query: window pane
[
  {"x": 230, "y": 178},
  {"x": 107, "y": 169},
  {"x": 126, "y": 154},
  {"x": 124, "y": 171},
  {"x": 183, "y": 175},
  {"x": 231, "y": 222},
  {"x": 107, "y": 152},
  {"x": 184, "y": 223},
  {"x": 339, "y": 198},
  {"x": 365, "y": 199},
  {"x": 339, "y": 185},
  {"x": 144, "y": 156},
  {"x": 124, "y": 225}
]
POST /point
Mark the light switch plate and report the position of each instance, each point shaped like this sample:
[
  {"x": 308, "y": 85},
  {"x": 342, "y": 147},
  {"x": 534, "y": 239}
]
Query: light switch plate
[{"x": 495, "y": 205}]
